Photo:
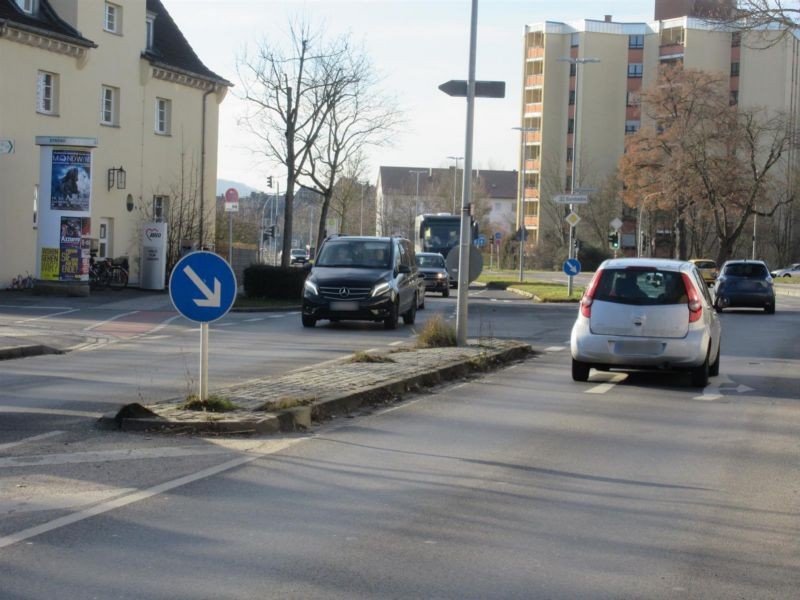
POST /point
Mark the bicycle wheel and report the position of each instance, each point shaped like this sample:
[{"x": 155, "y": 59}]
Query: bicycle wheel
[{"x": 118, "y": 278}]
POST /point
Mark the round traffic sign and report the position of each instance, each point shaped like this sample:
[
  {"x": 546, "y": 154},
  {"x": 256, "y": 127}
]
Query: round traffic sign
[
  {"x": 231, "y": 195},
  {"x": 202, "y": 287},
  {"x": 572, "y": 266}
]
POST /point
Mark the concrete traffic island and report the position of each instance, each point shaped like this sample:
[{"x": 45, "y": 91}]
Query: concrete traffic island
[{"x": 294, "y": 401}]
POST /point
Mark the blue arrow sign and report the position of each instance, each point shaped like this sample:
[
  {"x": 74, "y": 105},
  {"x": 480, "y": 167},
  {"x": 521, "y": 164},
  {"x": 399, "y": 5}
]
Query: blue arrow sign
[
  {"x": 202, "y": 287},
  {"x": 480, "y": 241},
  {"x": 572, "y": 266},
  {"x": 498, "y": 236}
]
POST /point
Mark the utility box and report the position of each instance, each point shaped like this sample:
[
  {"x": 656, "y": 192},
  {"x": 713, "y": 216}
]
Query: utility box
[{"x": 154, "y": 256}]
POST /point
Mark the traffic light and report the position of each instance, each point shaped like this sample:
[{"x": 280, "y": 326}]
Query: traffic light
[
  {"x": 613, "y": 240},
  {"x": 269, "y": 232},
  {"x": 269, "y": 181}
]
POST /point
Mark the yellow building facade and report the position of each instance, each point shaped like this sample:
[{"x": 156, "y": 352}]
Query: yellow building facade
[{"x": 107, "y": 119}]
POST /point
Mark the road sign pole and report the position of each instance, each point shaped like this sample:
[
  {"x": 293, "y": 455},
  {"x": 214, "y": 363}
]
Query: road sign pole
[
  {"x": 203, "y": 361},
  {"x": 230, "y": 238},
  {"x": 569, "y": 254}
]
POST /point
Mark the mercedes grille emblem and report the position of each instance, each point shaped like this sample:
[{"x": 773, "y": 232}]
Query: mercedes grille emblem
[{"x": 344, "y": 292}]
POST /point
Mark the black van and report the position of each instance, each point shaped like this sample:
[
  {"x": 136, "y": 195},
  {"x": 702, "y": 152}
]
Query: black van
[{"x": 361, "y": 278}]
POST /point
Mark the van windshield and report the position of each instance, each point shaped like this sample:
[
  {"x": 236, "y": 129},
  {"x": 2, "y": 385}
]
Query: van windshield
[
  {"x": 365, "y": 254},
  {"x": 644, "y": 287}
]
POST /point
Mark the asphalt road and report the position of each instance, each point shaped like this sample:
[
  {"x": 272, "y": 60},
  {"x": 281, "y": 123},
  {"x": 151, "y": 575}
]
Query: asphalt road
[{"x": 520, "y": 484}]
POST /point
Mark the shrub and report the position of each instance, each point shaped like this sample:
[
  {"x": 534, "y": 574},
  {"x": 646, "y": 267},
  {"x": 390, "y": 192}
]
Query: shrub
[
  {"x": 266, "y": 281},
  {"x": 213, "y": 403},
  {"x": 436, "y": 333},
  {"x": 591, "y": 257}
]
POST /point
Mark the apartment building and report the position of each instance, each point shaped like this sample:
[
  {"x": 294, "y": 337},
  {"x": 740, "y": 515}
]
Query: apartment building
[
  {"x": 107, "y": 118},
  {"x": 581, "y": 82}
]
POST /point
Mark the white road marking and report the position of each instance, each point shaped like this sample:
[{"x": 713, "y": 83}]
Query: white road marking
[
  {"x": 604, "y": 387},
  {"x": 397, "y": 343},
  {"x": 28, "y": 501},
  {"x": 225, "y": 324},
  {"x": 253, "y": 320},
  {"x": 55, "y": 314},
  {"x": 555, "y": 349},
  {"x": 164, "y": 324},
  {"x": 114, "y": 318},
  {"x": 76, "y": 458},
  {"x": 49, "y": 411},
  {"x": 127, "y": 499},
  {"x": 368, "y": 350},
  {"x": 34, "y": 438},
  {"x": 493, "y": 300},
  {"x": 279, "y": 316},
  {"x": 35, "y": 307},
  {"x": 293, "y": 313},
  {"x": 157, "y": 337}
]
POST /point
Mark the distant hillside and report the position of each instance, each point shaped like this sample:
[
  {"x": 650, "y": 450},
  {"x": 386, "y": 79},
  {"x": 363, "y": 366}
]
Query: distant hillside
[{"x": 242, "y": 188}]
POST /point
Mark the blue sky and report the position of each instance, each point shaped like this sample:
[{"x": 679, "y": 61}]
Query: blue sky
[{"x": 415, "y": 46}]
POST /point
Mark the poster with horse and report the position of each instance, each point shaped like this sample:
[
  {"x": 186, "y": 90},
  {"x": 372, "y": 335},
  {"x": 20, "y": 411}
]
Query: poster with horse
[{"x": 71, "y": 183}]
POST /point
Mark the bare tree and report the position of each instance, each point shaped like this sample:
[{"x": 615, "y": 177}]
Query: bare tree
[
  {"x": 289, "y": 93},
  {"x": 757, "y": 14}
]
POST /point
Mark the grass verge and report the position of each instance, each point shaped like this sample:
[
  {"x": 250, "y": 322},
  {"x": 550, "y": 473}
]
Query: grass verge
[
  {"x": 436, "y": 333},
  {"x": 213, "y": 403}
]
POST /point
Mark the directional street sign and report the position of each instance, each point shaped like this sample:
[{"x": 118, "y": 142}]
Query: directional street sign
[
  {"x": 571, "y": 199},
  {"x": 202, "y": 287},
  {"x": 573, "y": 219},
  {"x": 483, "y": 89},
  {"x": 572, "y": 266},
  {"x": 6, "y": 146},
  {"x": 498, "y": 236}
]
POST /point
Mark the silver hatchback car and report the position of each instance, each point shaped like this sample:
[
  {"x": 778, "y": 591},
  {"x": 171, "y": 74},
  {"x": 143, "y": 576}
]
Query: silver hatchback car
[{"x": 647, "y": 313}]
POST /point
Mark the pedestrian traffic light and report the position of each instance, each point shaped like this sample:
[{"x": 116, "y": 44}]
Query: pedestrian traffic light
[{"x": 613, "y": 240}]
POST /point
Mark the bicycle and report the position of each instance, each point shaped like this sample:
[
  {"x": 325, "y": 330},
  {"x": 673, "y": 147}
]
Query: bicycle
[{"x": 108, "y": 273}]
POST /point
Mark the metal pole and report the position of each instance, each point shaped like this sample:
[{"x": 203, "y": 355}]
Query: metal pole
[
  {"x": 230, "y": 238},
  {"x": 574, "y": 173},
  {"x": 203, "y": 361},
  {"x": 361, "y": 230},
  {"x": 521, "y": 206},
  {"x": 639, "y": 230},
  {"x": 466, "y": 198},
  {"x": 755, "y": 220},
  {"x": 455, "y": 180}
]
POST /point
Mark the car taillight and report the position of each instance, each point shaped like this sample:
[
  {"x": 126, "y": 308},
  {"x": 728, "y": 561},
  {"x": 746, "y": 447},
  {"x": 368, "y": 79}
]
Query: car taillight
[
  {"x": 695, "y": 305},
  {"x": 588, "y": 295}
]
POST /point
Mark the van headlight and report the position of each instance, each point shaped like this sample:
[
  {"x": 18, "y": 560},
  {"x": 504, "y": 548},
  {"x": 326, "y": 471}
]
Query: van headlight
[
  {"x": 311, "y": 287},
  {"x": 380, "y": 289}
]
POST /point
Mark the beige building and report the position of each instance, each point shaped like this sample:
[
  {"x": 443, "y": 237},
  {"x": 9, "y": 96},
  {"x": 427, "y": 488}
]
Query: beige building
[
  {"x": 582, "y": 135},
  {"x": 108, "y": 120}
]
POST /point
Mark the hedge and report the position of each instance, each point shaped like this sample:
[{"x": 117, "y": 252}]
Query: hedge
[{"x": 266, "y": 281}]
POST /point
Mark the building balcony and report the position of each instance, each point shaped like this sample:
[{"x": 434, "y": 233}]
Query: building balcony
[
  {"x": 531, "y": 221},
  {"x": 533, "y": 164},
  {"x": 536, "y": 52},
  {"x": 531, "y": 193},
  {"x": 533, "y": 107},
  {"x": 534, "y": 80},
  {"x": 533, "y": 137},
  {"x": 670, "y": 49}
]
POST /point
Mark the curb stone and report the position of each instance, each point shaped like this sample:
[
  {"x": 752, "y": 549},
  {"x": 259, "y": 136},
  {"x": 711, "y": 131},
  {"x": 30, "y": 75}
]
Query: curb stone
[{"x": 339, "y": 389}]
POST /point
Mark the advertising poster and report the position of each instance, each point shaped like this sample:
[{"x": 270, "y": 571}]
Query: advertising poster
[
  {"x": 49, "y": 267},
  {"x": 71, "y": 181},
  {"x": 74, "y": 251}
]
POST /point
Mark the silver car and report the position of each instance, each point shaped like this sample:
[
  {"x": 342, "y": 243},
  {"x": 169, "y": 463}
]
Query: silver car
[{"x": 647, "y": 313}]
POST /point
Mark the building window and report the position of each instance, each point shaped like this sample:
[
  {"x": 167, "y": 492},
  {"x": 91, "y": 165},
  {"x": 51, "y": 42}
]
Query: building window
[
  {"x": 112, "y": 21},
  {"x": 734, "y": 100},
  {"x": 569, "y": 154},
  {"x": 631, "y": 127},
  {"x": 109, "y": 106},
  {"x": 636, "y": 41},
  {"x": 47, "y": 93},
  {"x": 571, "y": 126},
  {"x": 163, "y": 116},
  {"x": 160, "y": 207},
  {"x": 631, "y": 99},
  {"x": 149, "y": 29},
  {"x": 27, "y": 6},
  {"x": 573, "y": 39},
  {"x": 635, "y": 70},
  {"x": 735, "y": 69},
  {"x": 573, "y": 69},
  {"x": 672, "y": 35}
]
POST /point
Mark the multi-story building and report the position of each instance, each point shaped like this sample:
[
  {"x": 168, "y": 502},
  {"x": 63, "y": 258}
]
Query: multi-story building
[
  {"x": 580, "y": 88},
  {"x": 108, "y": 120},
  {"x": 404, "y": 192}
]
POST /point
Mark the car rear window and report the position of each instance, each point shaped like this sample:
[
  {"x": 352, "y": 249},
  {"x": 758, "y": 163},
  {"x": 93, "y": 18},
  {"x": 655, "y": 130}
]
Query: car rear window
[
  {"x": 748, "y": 270},
  {"x": 641, "y": 286},
  {"x": 705, "y": 264}
]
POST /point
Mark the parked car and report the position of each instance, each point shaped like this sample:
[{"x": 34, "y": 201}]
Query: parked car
[
  {"x": 434, "y": 272},
  {"x": 790, "y": 271},
  {"x": 298, "y": 256},
  {"x": 362, "y": 278},
  {"x": 708, "y": 269},
  {"x": 646, "y": 313},
  {"x": 745, "y": 283}
]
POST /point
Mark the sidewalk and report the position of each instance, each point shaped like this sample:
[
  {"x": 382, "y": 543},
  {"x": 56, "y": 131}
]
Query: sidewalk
[{"x": 293, "y": 401}]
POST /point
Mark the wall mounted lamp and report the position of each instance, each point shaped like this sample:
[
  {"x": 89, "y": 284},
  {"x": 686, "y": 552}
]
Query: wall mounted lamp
[{"x": 116, "y": 176}]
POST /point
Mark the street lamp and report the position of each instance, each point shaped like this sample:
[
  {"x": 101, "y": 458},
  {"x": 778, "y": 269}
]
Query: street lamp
[
  {"x": 416, "y": 172},
  {"x": 455, "y": 176},
  {"x": 575, "y": 146},
  {"x": 521, "y": 201}
]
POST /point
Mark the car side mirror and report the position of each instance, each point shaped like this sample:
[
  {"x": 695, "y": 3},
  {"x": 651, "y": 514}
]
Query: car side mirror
[{"x": 404, "y": 269}]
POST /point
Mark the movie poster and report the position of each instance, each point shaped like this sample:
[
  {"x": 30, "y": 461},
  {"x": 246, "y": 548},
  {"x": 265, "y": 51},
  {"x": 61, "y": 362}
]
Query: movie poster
[
  {"x": 71, "y": 183},
  {"x": 74, "y": 248}
]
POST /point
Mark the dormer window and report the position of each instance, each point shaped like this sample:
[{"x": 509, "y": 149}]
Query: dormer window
[
  {"x": 27, "y": 6},
  {"x": 149, "y": 25}
]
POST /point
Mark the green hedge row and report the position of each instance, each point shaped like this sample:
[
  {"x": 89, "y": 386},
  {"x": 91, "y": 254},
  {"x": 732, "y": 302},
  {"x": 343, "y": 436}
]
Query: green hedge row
[{"x": 266, "y": 281}]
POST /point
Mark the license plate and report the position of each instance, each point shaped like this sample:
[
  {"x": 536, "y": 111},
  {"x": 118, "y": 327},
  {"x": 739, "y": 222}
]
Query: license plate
[{"x": 344, "y": 306}]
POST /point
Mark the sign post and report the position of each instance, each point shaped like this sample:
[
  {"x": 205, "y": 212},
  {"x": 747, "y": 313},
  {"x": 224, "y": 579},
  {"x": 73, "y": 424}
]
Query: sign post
[
  {"x": 202, "y": 287},
  {"x": 231, "y": 206}
]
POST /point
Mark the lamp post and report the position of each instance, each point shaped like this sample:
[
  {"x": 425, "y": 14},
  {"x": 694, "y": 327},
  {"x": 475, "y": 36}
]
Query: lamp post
[
  {"x": 575, "y": 147},
  {"x": 455, "y": 179},
  {"x": 521, "y": 200},
  {"x": 416, "y": 172}
]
